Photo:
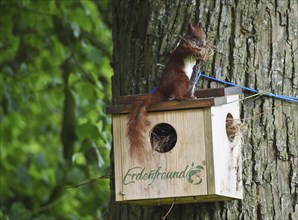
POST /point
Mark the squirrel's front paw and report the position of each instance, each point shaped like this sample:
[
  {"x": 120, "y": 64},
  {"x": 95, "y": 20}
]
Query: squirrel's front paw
[{"x": 192, "y": 97}]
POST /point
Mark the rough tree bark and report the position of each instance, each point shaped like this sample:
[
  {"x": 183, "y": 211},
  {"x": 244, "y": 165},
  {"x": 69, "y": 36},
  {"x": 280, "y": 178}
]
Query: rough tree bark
[{"x": 257, "y": 47}]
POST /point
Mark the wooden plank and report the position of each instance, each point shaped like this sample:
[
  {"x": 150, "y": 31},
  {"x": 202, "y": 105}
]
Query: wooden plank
[
  {"x": 201, "y": 93},
  {"x": 209, "y": 151},
  {"x": 171, "y": 105},
  {"x": 128, "y": 99},
  {"x": 180, "y": 200},
  {"x": 226, "y": 154},
  {"x": 217, "y": 92},
  {"x": 118, "y": 128}
]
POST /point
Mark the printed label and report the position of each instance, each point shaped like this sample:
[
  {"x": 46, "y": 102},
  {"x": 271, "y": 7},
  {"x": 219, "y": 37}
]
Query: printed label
[{"x": 191, "y": 173}]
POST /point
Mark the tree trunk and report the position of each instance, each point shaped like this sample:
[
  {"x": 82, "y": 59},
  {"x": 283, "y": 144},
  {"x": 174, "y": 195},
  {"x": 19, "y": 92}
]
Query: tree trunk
[{"x": 256, "y": 47}]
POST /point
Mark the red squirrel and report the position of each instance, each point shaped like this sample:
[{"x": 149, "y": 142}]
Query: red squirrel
[{"x": 174, "y": 84}]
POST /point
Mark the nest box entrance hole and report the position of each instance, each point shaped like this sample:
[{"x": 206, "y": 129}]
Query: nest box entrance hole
[
  {"x": 163, "y": 137},
  {"x": 231, "y": 127}
]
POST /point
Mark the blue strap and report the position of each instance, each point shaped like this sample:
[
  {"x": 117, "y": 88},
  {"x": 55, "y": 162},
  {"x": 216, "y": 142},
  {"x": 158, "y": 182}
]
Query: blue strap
[
  {"x": 153, "y": 90},
  {"x": 284, "y": 97}
]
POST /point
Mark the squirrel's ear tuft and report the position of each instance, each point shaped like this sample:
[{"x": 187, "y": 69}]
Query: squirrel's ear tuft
[
  {"x": 200, "y": 24},
  {"x": 190, "y": 27}
]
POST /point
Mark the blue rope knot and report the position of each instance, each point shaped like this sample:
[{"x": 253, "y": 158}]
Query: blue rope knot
[{"x": 261, "y": 93}]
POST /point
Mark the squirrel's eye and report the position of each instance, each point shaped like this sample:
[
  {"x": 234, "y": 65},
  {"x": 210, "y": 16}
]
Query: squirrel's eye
[{"x": 194, "y": 36}]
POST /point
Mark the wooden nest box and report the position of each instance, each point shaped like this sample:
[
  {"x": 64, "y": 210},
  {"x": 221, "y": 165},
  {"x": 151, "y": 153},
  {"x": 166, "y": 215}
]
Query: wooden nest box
[{"x": 193, "y": 157}]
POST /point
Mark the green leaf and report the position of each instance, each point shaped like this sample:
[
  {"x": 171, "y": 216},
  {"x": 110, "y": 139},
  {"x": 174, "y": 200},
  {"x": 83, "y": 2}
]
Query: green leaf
[
  {"x": 23, "y": 176},
  {"x": 87, "y": 130},
  {"x": 75, "y": 176},
  {"x": 19, "y": 211}
]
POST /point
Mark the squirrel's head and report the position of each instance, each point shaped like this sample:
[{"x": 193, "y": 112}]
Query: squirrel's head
[{"x": 196, "y": 34}]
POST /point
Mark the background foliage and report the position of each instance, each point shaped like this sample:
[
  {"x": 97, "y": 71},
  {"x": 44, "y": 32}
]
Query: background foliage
[{"x": 55, "y": 80}]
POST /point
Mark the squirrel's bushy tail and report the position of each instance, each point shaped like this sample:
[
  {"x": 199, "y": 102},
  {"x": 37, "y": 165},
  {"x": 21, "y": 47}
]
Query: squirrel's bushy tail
[
  {"x": 136, "y": 127},
  {"x": 138, "y": 123}
]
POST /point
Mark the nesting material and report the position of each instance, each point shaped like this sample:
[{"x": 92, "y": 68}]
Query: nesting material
[
  {"x": 163, "y": 137},
  {"x": 202, "y": 53},
  {"x": 234, "y": 128}
]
